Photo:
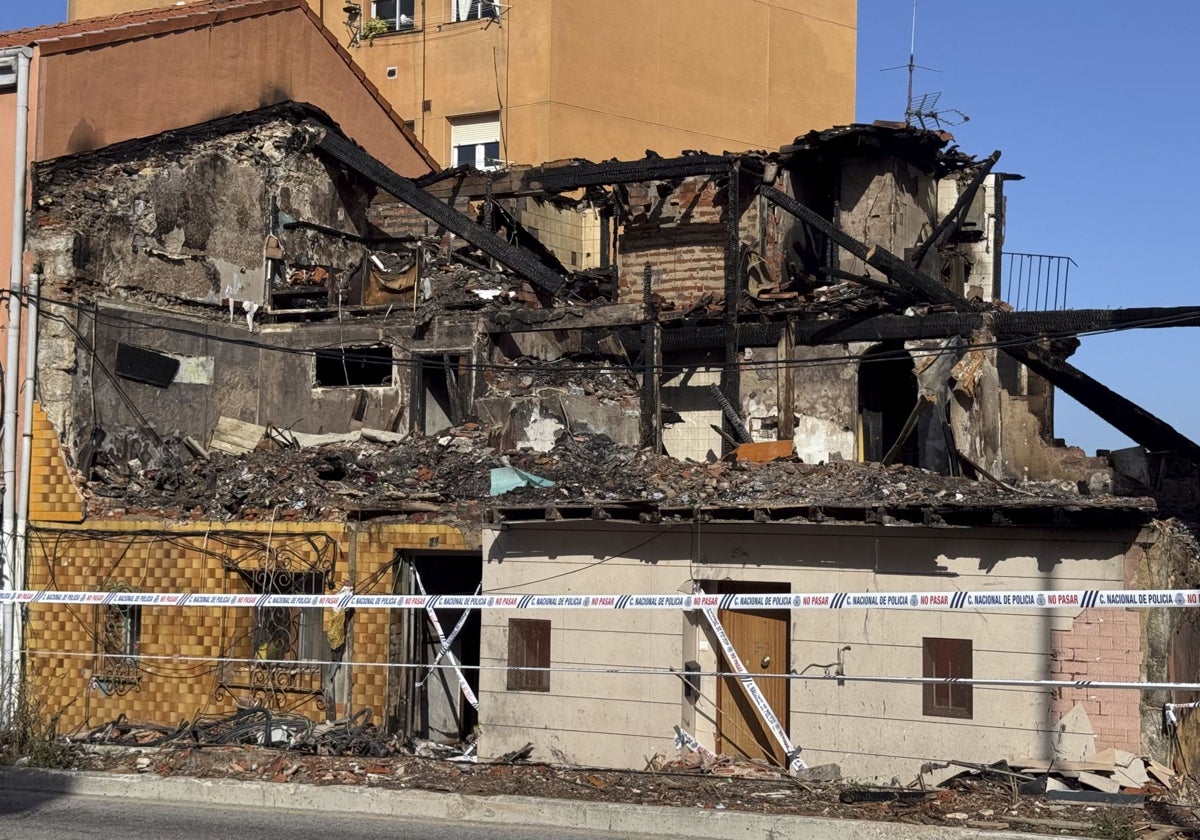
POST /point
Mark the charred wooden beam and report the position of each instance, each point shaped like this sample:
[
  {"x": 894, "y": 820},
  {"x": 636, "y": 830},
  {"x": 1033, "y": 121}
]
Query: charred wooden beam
[
  {"x": 731, "y": 375},
  {"x": 561, "y": 178},
  {"x": 525, "y": 239},
  {"x": 512, "y": 257},
  {"x": 1036, "y": 324},
  {"x": 1124, "y": 415},
  {"x": 881, "y": 259},
  {"x": 539, "y": 180},
  {"x": 951, "y": 220}
]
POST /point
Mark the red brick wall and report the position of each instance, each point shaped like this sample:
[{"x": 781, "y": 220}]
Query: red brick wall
[
  {"x": 681, "y": 235},
  {"x": 1101, "y": 645}
]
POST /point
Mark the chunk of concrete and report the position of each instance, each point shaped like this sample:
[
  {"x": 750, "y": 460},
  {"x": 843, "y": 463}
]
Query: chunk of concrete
[{"x": 1074, "y": 739}]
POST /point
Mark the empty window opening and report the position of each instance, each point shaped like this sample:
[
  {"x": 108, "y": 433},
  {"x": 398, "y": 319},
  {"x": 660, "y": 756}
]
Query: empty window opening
[
  {"x": 528, "y": 654},
  {"x": 946, "y": 659},
  {"x": 149, "y": 366},
  {"x": 354, "y": 367},
  {"x": 887, "y": 397}
]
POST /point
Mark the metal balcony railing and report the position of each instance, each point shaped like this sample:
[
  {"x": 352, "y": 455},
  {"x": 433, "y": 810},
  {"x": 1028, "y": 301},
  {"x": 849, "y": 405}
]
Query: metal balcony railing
[{"x": 1036, "y": 281}]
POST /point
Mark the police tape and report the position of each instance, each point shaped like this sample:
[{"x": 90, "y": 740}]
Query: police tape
[
  {"x": 346, "y": 599},
  {"x": 444, "y": 650}
]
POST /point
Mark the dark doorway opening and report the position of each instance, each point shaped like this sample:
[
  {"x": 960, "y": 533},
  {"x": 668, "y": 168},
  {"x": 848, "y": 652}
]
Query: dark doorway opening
[
  {"x": 428, "y": 702},
  {"x": 887, "y": 398}
]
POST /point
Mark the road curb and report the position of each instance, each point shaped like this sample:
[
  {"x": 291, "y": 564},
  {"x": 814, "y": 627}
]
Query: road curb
[{"x": 645, "y": 820}]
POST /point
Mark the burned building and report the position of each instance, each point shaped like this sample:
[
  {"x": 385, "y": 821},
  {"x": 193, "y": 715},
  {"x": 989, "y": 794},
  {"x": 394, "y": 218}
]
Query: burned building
[{"x": 271, "y": 365}]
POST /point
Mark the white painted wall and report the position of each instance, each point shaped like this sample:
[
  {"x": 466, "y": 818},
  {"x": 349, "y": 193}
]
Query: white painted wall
[{"x": 871, "y": 730}]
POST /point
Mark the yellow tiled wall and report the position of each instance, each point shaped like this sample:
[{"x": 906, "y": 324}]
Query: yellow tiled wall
[
  {"x": 176, "y": 673},
  {"x": 53, "y": 497}
]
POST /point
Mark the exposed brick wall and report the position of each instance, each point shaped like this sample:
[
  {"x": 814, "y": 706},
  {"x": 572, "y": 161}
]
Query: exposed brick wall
[
  {"x": 1101, "y": 645},
  {"x": 682, "y": 235}
]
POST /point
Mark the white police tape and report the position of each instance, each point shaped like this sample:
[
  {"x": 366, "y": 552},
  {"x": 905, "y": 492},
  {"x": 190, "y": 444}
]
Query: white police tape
[
  {"x": 794, "y": 762},
  {"x": 999, "y": 599},
  {"x": 685, "y": 740},
  {"x": 445, "y": 647}
]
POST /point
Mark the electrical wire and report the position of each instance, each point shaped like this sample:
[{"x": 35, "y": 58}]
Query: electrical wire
[{"x": 977, "y": 682}]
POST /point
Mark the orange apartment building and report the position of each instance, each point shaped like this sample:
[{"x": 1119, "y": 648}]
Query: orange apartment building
[{"x": 529, "y": 81}]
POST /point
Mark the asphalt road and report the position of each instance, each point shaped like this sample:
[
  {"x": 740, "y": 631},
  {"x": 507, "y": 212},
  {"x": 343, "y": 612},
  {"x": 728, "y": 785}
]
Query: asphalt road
[{"x": 38, "y": 816}]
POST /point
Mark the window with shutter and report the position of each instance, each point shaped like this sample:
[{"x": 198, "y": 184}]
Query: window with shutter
[
  {"x": 947, "y": 659},
  {"x": 528, "y": 650}
]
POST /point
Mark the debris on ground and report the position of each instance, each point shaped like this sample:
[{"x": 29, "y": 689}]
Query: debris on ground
[{"x": 987, "y": 798}]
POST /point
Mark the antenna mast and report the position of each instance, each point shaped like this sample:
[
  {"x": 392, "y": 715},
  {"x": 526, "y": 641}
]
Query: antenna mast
[{"x": 912, "y": 66}]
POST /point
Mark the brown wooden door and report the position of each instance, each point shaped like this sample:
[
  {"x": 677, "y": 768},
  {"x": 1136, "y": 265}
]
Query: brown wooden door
[{"x": 761, "y": 641}]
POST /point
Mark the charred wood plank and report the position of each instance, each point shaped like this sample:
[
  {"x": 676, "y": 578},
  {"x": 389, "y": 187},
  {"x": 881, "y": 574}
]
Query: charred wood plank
[
  {"x": 562, "y": 178},
  {"x": 514, "y": 258},
  {"x": 1006, "y": 324},
  {"x": 881, "y": 259},
  {"x": 731, "y": 375}
]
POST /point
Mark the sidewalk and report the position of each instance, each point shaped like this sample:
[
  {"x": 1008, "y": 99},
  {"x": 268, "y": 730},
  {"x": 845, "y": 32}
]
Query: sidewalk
[{"x": 638, "y": 820}]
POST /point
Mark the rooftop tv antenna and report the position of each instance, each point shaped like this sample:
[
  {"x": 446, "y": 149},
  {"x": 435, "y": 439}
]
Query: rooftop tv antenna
[{"x": 922, "y": 110}]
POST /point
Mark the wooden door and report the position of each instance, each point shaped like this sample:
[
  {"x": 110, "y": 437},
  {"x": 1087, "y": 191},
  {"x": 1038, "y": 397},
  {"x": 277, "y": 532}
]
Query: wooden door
[{"x": 760, "y": 639}]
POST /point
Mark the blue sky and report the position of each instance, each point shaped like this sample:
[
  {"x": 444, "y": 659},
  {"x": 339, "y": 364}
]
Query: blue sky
[{"x": 1094, "y": 103}]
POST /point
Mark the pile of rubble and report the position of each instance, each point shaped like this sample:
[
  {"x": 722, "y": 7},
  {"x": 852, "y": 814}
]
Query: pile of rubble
[
  {"x": 983, "y": 800},
  {"x": 451, "y": 473}
]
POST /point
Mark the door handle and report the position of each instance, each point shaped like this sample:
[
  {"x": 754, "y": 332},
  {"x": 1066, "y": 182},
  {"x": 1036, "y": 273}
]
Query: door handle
[{"x": 766, "y": 661}]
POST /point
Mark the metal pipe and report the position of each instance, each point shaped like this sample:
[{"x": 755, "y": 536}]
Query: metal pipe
[
  {"x": 12, "y": 646},
  {"x": 29, "y": 382}
]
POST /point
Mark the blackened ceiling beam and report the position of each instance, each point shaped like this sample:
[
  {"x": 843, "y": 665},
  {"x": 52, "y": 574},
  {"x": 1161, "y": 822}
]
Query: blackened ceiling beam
[
  {"x": 537, "y": 180},
  {"x": 512, "y": 257},
  {"x": 1123, "y": 414},
  {"x": 561, "y": 178},
  {"x": 1006, "y": 325}
]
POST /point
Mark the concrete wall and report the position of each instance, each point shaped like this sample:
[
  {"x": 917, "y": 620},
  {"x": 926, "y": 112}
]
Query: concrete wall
[
  {"x": 619, "y": 719},
  {"x": 575, "y": 78}
]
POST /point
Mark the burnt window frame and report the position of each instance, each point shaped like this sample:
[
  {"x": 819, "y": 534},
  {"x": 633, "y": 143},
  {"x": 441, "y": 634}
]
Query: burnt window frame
[
  {"x": 334, "y": 355},
  {"x": 943, "y": 658},
  {"x": 521, "y": 655}
]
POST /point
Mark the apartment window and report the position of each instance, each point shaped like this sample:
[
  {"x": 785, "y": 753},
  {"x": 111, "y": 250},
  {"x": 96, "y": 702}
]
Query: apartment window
[
  {"x": 946, "y": 659},
  {"x": 398, "y": 14},
  {"x": 473, "y": 10},
  {"x": 475, "y": 141},
  {"x": 528, "y": 647}
]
